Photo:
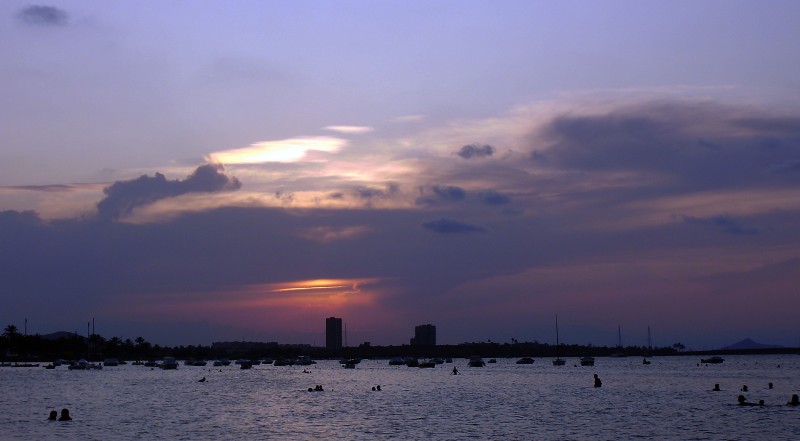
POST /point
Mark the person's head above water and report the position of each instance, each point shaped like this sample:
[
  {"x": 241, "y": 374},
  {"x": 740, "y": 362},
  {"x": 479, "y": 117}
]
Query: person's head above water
[
  {"x": 65, "y": 415},
  {"x": 53, "y": 415}
]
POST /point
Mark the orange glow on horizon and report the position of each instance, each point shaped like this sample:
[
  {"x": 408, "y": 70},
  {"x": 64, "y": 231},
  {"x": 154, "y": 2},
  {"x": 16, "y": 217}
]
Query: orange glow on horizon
[{"x": 322, "y": 295}]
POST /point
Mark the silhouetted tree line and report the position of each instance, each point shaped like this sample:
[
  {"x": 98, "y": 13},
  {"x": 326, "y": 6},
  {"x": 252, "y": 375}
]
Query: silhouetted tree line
[{"x": 19, "y": 347}]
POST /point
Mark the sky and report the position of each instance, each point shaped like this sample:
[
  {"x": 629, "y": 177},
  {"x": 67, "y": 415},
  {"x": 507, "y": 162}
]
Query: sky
[{"x": 200, "y": 171}]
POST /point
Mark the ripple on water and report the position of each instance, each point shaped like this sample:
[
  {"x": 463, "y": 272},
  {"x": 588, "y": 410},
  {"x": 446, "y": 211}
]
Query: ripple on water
[{"x": 670, "y": 399}]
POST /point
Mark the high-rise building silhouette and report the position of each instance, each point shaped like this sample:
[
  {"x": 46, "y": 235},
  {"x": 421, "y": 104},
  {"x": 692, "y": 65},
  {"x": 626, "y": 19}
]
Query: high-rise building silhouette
[
  {"x": 424, "y": 335},
  {"x": 333, "y": 333}
]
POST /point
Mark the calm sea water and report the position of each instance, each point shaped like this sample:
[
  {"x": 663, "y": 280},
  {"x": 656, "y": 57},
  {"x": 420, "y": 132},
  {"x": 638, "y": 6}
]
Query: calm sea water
[{"x": 668, "y": 399}]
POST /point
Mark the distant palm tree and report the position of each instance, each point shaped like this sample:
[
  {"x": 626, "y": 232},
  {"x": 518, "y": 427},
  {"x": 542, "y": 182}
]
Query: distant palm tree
[{"x": 10, "y": 331}]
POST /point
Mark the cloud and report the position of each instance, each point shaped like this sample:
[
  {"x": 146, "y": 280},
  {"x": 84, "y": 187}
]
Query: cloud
[
  {"x": 19, "y": 218},
  {"x": 450, "y": 226},
  {"x": 56, "y": 188},
  {"x": 491, "y": 197},
  {"x": 123, "y": 197},
  {"x": 695, "y": 144},
  {"x": 285, "y": 151},
  {"x": 375, "y": 193},
  {"x": 351, "y": 130},
  {"x": 38, "y": 15},
  {"x": 725, "y": 223},
  {"x": 442, "y": 194},
  {"x": 476, "y": 151}
]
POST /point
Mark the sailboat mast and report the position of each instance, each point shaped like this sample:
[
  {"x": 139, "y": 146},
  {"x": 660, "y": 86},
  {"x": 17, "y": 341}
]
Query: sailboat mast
[{"x": 556, "y": 333}]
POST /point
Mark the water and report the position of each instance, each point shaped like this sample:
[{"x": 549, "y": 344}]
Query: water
[{"x": 669, "y": 399}]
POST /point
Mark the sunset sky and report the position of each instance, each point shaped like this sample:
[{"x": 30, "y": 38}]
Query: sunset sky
[{"x": 199, "y": 171}]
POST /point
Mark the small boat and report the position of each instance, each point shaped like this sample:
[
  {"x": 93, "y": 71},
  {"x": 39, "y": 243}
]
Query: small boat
[
  {"x": 110, "y": 362},
  {"x": 492, "y": 360},
  {"x": 169, "y": 363},
  {"x": 525, "y": 360},
  {"x": 281, "y": 362},
  {"x": 587, "y": 361},
  {"x": 222, "y": 362},
  {"x": 305, "y": 360},
  {"x": 246, "y": 364},
  {"x": 427, "y": 364},
  {"x": 476, "y": 362},
  {"x": 713, "y": 360},
  {"x": 50, "y": 366},
  {"x": 83, "y": 365},
  {"x": 645, "y": 361},
  {"x": 349, "y": 365},
  {"x": 397, "y": 361}
]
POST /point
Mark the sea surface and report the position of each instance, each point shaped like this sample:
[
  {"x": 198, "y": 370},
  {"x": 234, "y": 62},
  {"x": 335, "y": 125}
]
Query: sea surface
[{"x": 670, "y": 399}]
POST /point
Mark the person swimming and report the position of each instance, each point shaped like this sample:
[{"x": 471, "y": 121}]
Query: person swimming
[
  {"x": 455, "y": 370},
  {"x": 202, "y": 380},
  {"x": 743, "y": 401},
  {"x": 795, "y": 401},
  {"x": 744, "y": 388},
  {"x": 597, "y": 382},
  {"x": 65, "y": 415},
  {"x": 716, "y": 388},
  {"x": 53, "y": 415}
]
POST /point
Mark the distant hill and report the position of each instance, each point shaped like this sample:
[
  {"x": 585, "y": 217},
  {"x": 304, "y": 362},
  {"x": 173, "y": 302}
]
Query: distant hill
[
  {"x": 750, "y": 344},
  {"x": 59, "y": 335}
]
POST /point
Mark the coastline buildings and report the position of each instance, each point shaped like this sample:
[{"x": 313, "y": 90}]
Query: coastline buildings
[
  {"x": 424, "y": 335},
  {"x": 333, "y": 333}
]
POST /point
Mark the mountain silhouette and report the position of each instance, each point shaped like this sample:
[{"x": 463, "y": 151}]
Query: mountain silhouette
[{"x": 750, "y": 344}]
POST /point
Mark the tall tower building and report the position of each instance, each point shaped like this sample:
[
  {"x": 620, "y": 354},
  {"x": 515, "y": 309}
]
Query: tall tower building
[
  {"x": 333, "y": 333},
  {"x": 424, "y": 335}
]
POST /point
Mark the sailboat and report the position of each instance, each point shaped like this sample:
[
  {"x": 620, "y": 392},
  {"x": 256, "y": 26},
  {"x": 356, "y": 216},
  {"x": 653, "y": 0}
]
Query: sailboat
[
  {"x": 649, "y": 347},
  {"x": 558, "y": 361},
  {"x": 619, "y": 352}
]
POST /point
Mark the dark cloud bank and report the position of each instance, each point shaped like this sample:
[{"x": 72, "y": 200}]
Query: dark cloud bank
[{"x": 703, "y": 145}]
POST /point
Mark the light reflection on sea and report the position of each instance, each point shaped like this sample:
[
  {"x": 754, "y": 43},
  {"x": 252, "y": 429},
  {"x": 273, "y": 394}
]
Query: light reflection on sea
[{"x": 669, "y": 399}]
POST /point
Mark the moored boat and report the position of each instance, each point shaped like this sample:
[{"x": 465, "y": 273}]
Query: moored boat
[
  {"x": 476, "y": 362},
  {"x": 587, "y": 361},
  {"x": 712, "y": 360},
  {"x": 168, "y": 363}
]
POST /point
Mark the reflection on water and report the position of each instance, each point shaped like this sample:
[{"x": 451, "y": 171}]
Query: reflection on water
[{"x": 669, "y": 399}]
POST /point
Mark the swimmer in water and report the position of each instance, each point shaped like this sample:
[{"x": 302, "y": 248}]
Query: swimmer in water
[{"x": 65, "y": 415}]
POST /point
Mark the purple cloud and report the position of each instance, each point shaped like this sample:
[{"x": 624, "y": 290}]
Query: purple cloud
[
  {"x": 123, "y": 197},
  {"x": 476, "y": 151}
]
